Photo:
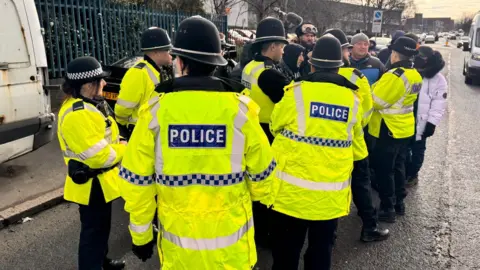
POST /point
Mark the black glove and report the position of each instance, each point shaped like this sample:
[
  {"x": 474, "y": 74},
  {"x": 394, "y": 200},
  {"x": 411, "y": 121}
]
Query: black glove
[
  {"x": 144, "y": 252},
  {"x": 429, "y": 130}
]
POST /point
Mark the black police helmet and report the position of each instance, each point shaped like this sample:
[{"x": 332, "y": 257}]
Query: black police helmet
[
  {"x": 270, "y": 30},
  {"x": 327, "y": 53},
  {"x": 340, "y": 35},
  {"x": 404, "y": 45},
  {"x": 155, "y": 38},
  {"x": 84, "y": 70},
  {"x": 198, "y": 39}
]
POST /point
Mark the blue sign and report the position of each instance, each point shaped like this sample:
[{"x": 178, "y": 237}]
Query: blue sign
[
  {"x": 197, "y": 136},
  {"x": 378, "y": 15},
  {"x": 329, "y": 111}
]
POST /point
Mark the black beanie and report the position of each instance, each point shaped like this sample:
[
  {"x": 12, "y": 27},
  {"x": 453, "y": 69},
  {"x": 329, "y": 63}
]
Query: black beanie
[{"x": 291, "y": 52}]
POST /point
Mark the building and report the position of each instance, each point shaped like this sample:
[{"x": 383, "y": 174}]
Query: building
[
  {"x": 237, "y": 13},
  {"x": 419, "y": 24}
]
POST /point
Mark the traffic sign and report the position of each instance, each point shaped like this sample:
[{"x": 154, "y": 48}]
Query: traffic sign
[{"x": 377, "y": 21}]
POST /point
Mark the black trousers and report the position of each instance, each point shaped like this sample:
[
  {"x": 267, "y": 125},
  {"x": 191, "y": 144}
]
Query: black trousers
[
  {"x": 415, "y": 157},
  {"x": 261, "y": 219},
  {"x": 288, "y": 238},
  {"x": 95, "y": 221},
  {"x": 362, "y": 194},
  {"x": 389, "y": 165}
]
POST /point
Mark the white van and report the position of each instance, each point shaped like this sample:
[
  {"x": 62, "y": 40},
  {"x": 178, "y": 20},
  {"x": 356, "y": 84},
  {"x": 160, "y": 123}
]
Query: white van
[
  {"x": 471, "y": 67},
  {"x": 26, "y": 120}
]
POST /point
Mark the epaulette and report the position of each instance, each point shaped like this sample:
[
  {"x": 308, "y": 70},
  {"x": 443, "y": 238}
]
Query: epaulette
[
  {"x": 358, "y": 73},
  {"x": 140, "y": 65},
  {"x": 268, "y": 63},
  {"x": 399, "y": 72},
  {"x": 78, "y": 106}
]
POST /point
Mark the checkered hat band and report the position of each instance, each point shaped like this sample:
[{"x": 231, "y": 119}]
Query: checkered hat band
[
  {"x": 317, "y": 140},
  {"x": 85, "y": 75}
]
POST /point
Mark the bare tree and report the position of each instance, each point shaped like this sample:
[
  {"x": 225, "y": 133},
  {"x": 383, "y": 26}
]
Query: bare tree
[
  {"x": 192, "y": 6},
  {"x": 465, "y": 22},
  {"x": 321, "y": 13},
  {"x": 219, "y": 7},
  {"x": 261, "y": 8}
]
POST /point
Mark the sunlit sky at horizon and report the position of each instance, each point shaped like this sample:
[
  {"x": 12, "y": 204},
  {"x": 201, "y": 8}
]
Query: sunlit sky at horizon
[{"x": 447, "y": 8}]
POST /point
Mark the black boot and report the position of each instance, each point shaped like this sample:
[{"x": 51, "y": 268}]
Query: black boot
[
  {"x": 411, "y": 181},
  {"x": 374, "y": 234},
  {"x": 109, "y": 264},
  {"x": 386, "y": 216},
  {"x": 400, "y": 209}
]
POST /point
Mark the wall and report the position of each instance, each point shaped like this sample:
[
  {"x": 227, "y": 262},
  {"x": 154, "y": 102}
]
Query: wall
[{"x": 238, "y": 16}]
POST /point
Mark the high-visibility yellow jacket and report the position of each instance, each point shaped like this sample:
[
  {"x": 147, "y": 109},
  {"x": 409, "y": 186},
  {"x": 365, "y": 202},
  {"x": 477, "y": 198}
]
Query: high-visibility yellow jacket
[
  {"x": 87, "y": 136},
  {"x": 206, "y": 157},
  {"x": 136, "y": 88},
  {"x": 250, "y": 75},
  {"x": 318, "y": 137},
  {"x": 364, "y": 91},
  {"x": 393, "y": 98}
]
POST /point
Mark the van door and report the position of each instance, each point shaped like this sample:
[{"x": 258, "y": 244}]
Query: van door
[{"x": 22, "y": 98}]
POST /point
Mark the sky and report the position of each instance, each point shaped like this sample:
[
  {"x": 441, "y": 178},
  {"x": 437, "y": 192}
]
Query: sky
[{"x": 447, "y": 8}]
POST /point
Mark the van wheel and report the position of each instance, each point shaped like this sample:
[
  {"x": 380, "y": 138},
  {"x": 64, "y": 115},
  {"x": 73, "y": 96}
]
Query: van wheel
[{"x": 468, "y": 80}]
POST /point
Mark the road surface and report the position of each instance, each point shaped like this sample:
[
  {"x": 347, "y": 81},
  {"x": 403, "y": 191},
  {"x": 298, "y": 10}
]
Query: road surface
[{"x": 440, "y": 231}]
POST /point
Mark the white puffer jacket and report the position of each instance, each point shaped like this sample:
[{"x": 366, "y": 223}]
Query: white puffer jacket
[{"x": 432, "y": 102}]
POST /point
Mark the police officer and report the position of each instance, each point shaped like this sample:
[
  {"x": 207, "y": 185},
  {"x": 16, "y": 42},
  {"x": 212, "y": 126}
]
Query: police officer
[
  {"x": 362, "y": 196},
  {"x": 139, "y": 82},
  {"x": 199, "y": 147},
  {"x": 393, "y": 125},
  {"x": 318, "y": 133},
  {"x": 89, "y": 140},
  {"x": 261, "y": 75}
]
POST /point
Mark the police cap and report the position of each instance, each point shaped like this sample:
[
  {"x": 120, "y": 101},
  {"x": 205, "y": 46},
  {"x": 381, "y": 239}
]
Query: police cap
[
  {"x": 405, "y": 46},
  {"x": 327, "y": 53},
  {"x": 85, "y": 69},
  {"x": 155, "y": 38},
  {"x": 198, "y": 39},
  {"x": 270, "y": 30},
  {"x": 340, "y": 35}
]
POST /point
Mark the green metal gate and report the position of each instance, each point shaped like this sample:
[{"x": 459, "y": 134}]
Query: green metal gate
[{"x": 103, "y": 29}]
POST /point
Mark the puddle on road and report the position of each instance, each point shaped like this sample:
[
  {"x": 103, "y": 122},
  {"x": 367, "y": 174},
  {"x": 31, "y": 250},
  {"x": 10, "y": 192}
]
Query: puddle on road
[{"x": 11, "y": 171}]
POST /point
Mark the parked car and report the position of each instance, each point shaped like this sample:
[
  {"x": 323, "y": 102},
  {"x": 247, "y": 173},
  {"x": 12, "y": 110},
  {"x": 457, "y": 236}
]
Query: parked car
[
  {"x": 471, "y": 66},
  {"x": 382, "y": 42},
  {"x": 463, "y": 40},
  {"x": 452, "y": 36},
  {"x": 26, "y": 119},
  {"x": 429, "y": 39}
]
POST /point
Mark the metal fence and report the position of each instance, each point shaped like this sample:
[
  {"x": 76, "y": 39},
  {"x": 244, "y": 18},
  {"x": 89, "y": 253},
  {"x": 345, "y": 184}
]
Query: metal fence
[{"x": 103, "y": 29}]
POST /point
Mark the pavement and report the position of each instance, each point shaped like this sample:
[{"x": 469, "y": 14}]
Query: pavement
[{"x": 440, "y": 231}]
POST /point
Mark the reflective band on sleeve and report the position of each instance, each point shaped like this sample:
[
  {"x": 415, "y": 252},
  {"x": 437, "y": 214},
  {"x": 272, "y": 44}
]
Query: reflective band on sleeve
[
  {"x": 263, "y": 175},
  {"x": 208, "y": 243},
  {"x": 310, "y": 185},
  {"x": 90, "y": 152},
  {"x": 367, "y": 113},
  {"x": 354, "y": 78},
  {"x": 127, "y": 104},
  {"x": 238, "y": 143},
  {"x": 200, "y": 179},
  {"x": 300, "y": 107},
  {"x": 140, "y": 228},
  {"x": 152, "y": 76},
  {"x": 317, "y": 140},
  {"x": 111, "y": 158},
  {"x": 405, "y": 110},
  {"x": 135, "y": 178},
  {"x": 353, "y": 121},
  {"x": 380, "y": 101}
]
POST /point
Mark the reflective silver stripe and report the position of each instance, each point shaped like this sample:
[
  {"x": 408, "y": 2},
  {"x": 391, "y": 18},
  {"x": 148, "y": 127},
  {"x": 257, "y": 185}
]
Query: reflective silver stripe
[
  {"x": 253, "y": 79},
  {"x": 111, "y": 157},
  {"x": 154, "y": 126},
  {"x": 263, "y": 175},
  {"x": 311, "y": 185},
  {"x": 90, "y": 152},
  {"x": 152, "y": 76},
  {"x": 354, "y": 78},
  {"x": 127, "y": 104},
  {"x": 208, "y": 243},
  {"x": 108, "y": 134},
  {"x": 300, "y": 107},
  {"x": 153, "y": 100},
  {"x": 399, "y": 111},
  {"x": 238, "y": 143},
  {"x": 200, "y": 179},
  {"x": 135, "y": 179},
  {"x": 317, "y": 140},
  {"x": 380, "y": 101},
  {"x": 140, "y": 228},
  {"x": 367, "y": 113},
  {"x": 353, "y": 121}
]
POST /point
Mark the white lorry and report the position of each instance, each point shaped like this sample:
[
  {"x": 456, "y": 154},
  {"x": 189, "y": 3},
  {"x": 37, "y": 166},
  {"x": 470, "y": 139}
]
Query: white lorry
[{"x": 26, "y": 120}]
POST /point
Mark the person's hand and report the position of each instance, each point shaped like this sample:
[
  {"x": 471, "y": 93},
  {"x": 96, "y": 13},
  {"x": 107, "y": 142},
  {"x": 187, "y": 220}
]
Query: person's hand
[
  {"x": 144, "y": 252},
  {"x": 123, "y": 142},
  {"x": 429, "y": 130}
]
